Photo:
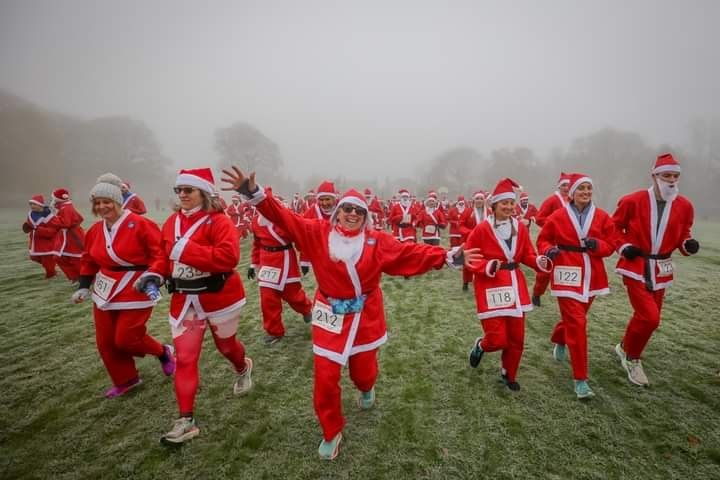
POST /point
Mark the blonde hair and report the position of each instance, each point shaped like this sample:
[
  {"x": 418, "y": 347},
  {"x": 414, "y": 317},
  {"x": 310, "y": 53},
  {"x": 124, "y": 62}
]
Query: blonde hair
[{"x": 118, "y": 207}]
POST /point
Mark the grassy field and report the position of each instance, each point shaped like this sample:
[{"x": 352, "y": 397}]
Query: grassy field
[{"x": 435, "y": 417}]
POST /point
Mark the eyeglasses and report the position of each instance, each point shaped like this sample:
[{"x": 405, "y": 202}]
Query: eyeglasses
[
  {"x": 185, "y": 190},
  {"x": 349, "y": 208}
]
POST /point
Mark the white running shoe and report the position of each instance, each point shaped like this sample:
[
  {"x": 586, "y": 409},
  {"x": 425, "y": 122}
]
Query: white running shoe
[{"x": 243, "y": 384}]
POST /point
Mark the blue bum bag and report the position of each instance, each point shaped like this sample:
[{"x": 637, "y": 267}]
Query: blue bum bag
[{"x": 350, "y": 305}]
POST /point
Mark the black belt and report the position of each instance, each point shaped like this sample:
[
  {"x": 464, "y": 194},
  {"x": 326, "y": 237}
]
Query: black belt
[
  {"x": 572, "y": 248},
  {"x": 277, "y": 249},
  {"x": 213, "y": 283},
  {"x": 129, "y": 268},
  {"x": 647, "y": 270},
  {"x": 509, "y": 266}
]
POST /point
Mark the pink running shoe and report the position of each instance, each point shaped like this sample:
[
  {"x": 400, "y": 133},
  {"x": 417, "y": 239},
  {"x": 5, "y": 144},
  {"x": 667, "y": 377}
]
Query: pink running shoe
[
  {"x": 120, "y": 390},
  {"x": 168, "y": 366}
]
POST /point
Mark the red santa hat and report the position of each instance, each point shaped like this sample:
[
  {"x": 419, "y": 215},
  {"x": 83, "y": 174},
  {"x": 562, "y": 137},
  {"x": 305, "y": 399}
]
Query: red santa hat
[
  {"x": 575, "y": 180},
  {"x": 504, "y": 190},
  {"x": 461, "y": 198},
  {"x": 524, "y": 196},
  {"x": 666, "y": 163},
  {"x": 352, "y": 197},
  {"x": 564, "y": 178},
  {"x": 479, "y": 194},
  {"x": 404, "y": 192},
  {"x": 201, "y": 178},
  {"x": 61, "y": 195},
  {"x": 326, "y": 189},
  {"x": 125, "y": 184},
  {"x": 37, "y": 200},
  {"x": 310, "y": 193}
]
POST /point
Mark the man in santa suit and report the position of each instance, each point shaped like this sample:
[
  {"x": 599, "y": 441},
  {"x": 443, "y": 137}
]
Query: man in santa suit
[
  {"x": 234, "y": 211},
  {"x": 453, "y": 219},
  {"x": 554, "y": 202},
  {"x": 525, "y": 211},
  {"x": 431, "y": 220},
  {"x": 41, "y": 239},
  {"x": 469, "y": 219},
  {"x": 652, "y": 224},
  {"x": 69, "y": 235},
  {"x": 274, "y": 263},
  {"x": 132, "y": 201},
  {"x": 444, "y": 204},
  {"x": 403, "y": 217},
  {"x": 298, "y": 204},
  {"x": 376, "y": 210},
  {"x": 321, "y": 209}
]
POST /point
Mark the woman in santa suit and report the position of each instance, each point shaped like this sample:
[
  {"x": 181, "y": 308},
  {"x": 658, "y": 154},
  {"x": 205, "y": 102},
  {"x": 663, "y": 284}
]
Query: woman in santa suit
[
  {"x": 431, "y": 220},
  {"x": 577, "y": 237},
  {"x": 348, "y": 320},
  {"x": 651, "y": 224},
  {"x": 118, "y": 251},
  {"x": 501, "y": 292},
  {"x": 453, "y": 218},
  {"x": 40, "y": 237},
  {"x": 69, "y": 235},
  {"x": 200, "y": 253}
]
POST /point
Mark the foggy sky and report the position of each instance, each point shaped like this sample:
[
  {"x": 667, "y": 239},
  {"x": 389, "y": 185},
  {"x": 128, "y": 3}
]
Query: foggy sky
[{"x": 369, "y": 88}]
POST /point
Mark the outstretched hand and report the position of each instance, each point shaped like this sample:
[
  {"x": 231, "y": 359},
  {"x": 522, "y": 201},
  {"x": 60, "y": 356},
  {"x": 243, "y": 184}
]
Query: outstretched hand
[
  {"x": 238, "y": 182},
  {"x": 472, "y": 256}
]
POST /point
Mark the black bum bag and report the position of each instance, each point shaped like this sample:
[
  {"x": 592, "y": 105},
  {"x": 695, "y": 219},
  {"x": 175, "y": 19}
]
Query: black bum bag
[{"x": 212, "y": 284}]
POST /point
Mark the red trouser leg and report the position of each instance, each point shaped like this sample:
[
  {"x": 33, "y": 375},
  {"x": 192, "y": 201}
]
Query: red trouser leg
[
  {"x": 327, "y": 396},
  {"x": 271, "y": 305},
  {"x": 495, "y": 334},
  {"x": 515, "y": 329},
  {"x": 574, "y": 319},
  {"x": 70, "y": 266},
  {"x": 187, "y": 354},
  {"x": 131, "y": 333},
  {"x": 364, "y": 370},
  {"x": 119, "y": 364},
  {"x": 647, "y": 308},
  {"x": 48, "y": 263},
  {"x": 230, "y": 347},
  {"x": 295, "y": 296},
  {"x": 542, "y": 280},
  {"x": 467, "y": 275}
]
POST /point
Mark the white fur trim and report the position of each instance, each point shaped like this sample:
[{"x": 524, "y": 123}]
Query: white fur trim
[
  {"x": 194, "y": 181},
  {"x": 550, "y": 263},
  {"x": 489, "y": 267},
  {"x": 577, "y": 183},
  {"x": 622, "y": 247},
  {"x": 36, "y": 202},
  {"x": 257, "y": 197},
  {"x": 178, "y": 248},
  {"x": 502, "y": 196},
  {"x": 667, "y": 168}
]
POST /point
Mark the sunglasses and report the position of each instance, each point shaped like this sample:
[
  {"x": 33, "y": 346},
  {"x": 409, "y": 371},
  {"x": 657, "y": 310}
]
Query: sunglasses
[
  {"x": 185, "y": 190},
  {"x": 349, "y": 208}
]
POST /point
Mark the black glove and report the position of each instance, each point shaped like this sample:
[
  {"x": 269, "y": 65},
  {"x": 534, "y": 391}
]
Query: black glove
[
  {"x": 552, "y": 252},
  {"x": 691, "y": 246},
  {"x": 591, "y": 244},
  {"x": 244, "y": 188},
  {"x": 630, "y": 252},
  {"x": 251, "y": 273},
  {"x": 304, "y": 269}
]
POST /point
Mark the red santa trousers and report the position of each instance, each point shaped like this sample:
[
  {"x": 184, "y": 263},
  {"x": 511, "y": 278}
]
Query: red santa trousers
[
  {"x": 70, "y": 266},
  {"x": 327, "y": 395},
  {"x": 506, "y": 334},
  {"x": 542, "y": 280},
  {"x": 47, "y": 262},
  {"x": 121, "y": 335},
  {"x": 188, "y": 340},
  {"x": 271, "y": 304},
  {"x": 571, "y": 330},
  {"x": 467, "y": 275},
  {"x": 647, "y": 308}
]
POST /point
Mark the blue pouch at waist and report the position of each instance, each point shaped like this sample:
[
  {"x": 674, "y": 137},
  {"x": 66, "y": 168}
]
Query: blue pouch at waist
[{"x": 350, "y": 305}]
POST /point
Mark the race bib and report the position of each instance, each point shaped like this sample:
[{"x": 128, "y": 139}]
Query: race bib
[
  {"x": 429, "y": 230},
  {"x": 269, "y": 274},
  {"x": 567, "y": 276},
  {"x": 323, "y": 317},
  {"x": 186, "y": 272},
  {"x": 500, "y": 297},
  {"x": 665, "y": 266},
  {"x": 103, "y": 286},
  {"x": 406, "y": 218}
]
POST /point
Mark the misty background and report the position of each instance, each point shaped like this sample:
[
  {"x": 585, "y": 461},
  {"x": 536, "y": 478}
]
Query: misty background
[{"x": 414, "y": 94}]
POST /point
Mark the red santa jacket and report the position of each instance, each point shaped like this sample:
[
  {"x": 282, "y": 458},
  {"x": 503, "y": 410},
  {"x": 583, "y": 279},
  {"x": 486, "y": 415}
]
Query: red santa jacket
[
  {"x": 235, "y": 213},
  {"x": 453, "y": 220},
  {"x": 273, "y": 254},
  {"x": 41, "y": 238},
  {"x": 527, "y": 215},
  {"x": 470, "y": 218},
  {"x": 377, "y": 214},
  {"x": 69, "y": 235},
  {"x": 578, "y": 274},
  {"x": 430, "y": 223},
  {"x": 548, "y": 206},
  {"x": 503, "y": 293},
  {"x": 313, "y": 212},
  {"x": 134, "y": 203},
  {"x": 118, "y": 257},
  {"x": 407, "y": 216},
  {"x": 637, "y": 222},
  {"x": 338, "y": 336},
  {"x": 198, "y": 244}
]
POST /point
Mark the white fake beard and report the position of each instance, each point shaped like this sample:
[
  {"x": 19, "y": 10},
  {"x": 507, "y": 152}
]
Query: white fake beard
[
  {"x": 504, "y": 229},
  {"x": 668, "y": 191},
  {"x": 346, "y": 249},
  {"x": 430, "y": 211},
  {"x": 327, "y": 211},
  {"x": 461, "y": 208},
  {"x": 405, "y": 202}
]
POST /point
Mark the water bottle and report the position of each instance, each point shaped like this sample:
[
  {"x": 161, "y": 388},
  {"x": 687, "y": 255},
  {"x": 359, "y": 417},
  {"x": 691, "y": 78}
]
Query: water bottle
[{"x": 152, "y": 291}]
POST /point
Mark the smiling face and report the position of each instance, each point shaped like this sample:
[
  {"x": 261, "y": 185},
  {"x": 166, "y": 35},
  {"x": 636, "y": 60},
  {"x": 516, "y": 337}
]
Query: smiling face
[
  {"x": 326, "y": 203},
  {"x": 504, "y": 209},
  {"x": 189, "y": 197},
  {"x": 35, "y": 207},
  {"x": 564, "y": 188},
  {"x": 478, "y": 202},
  {"x": 351, "y": 217},
  {"x": 582, "y": 194},
  {"x": 106, "y": 209}
]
